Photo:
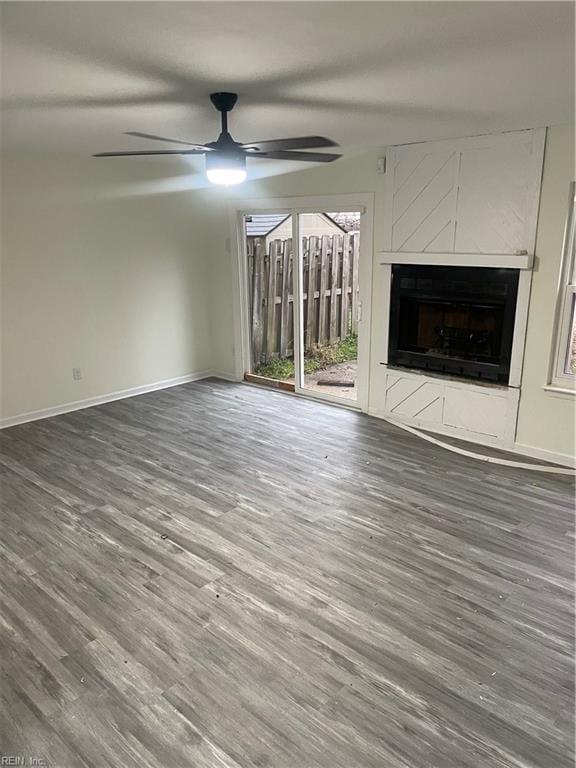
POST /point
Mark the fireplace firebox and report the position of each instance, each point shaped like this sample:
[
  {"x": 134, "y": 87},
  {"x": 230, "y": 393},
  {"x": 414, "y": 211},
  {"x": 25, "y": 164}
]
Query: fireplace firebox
[{"x": 457, "y": 321}]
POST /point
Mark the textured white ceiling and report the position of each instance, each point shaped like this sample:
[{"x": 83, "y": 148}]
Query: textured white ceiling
[{"x": 76, "y": 75}]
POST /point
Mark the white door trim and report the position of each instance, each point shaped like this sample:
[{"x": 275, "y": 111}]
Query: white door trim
[
  {"x": 297, "y": 277},
  {"x": 292, "y": 206}
]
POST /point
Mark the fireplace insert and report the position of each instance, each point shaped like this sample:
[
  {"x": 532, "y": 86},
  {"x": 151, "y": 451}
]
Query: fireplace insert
[{"x": 456, "y": 321}]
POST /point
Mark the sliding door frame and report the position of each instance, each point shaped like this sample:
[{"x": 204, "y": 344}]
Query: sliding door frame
[{"x": 292, "y": 206}]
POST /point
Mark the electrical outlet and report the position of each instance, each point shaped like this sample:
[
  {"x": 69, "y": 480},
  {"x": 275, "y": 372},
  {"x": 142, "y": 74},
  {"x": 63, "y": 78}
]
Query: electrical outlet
[{"x": 77, "y": 374}]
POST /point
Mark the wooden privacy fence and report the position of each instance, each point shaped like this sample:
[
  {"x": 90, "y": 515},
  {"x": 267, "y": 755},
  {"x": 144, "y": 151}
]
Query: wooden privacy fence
[{"x": 330, "y": 286}]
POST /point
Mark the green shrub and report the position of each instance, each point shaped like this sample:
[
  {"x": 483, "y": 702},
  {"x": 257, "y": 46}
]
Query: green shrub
[
  {"x": 317, "y": 359},
  {"x": 281, "y": 368}
]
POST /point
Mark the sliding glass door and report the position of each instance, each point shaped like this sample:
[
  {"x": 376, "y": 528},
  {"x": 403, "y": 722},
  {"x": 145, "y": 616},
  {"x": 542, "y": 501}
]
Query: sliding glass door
[{"x": 303, "y": 280}]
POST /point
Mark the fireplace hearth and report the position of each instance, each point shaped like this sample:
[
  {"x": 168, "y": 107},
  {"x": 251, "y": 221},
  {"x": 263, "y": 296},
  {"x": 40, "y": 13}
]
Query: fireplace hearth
[{"x": 456, "y": 321}]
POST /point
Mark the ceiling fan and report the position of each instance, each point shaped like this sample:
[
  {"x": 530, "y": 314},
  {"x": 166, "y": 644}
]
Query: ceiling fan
[{"x": 226, "y": 158}]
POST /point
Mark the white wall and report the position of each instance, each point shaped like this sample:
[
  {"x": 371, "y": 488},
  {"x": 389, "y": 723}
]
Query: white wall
[
  {"x": 546, "y": 420},
  {"x": 98, "y": 276}
]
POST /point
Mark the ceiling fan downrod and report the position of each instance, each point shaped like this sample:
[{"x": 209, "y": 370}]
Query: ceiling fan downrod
[{"x": 224, "y": 103}]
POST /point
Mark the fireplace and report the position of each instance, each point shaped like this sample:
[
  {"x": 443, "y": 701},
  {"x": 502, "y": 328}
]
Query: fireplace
[{"x": 456, "y": 321}]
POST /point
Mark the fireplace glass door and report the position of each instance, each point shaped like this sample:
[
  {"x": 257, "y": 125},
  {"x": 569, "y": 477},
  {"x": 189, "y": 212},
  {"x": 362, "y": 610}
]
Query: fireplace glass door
[{"x": 453, "y": 320}]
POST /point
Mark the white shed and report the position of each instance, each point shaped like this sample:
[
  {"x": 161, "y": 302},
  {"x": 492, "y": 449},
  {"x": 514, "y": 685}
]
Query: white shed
[{"x": 279, "y": 227}]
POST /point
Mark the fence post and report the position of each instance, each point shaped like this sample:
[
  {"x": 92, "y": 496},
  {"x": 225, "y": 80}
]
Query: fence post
[
  {"x": 284, "y": 330},
  {"x": 258, "y": 267},
  {"x": 334, "y": 280},
  {"x": 322, "y": 335},
  {"x": 311, "y": 316},
  {"x": 271, "y": 300},
  {"x": 345, "y": 299},
  {"x": 354, "y": 297}
]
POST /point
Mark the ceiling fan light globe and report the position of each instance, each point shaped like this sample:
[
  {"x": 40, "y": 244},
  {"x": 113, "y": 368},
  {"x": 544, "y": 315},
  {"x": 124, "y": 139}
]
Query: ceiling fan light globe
[
  {"x": 226, "y": 167},
  {"x": 226, "y": 176}
]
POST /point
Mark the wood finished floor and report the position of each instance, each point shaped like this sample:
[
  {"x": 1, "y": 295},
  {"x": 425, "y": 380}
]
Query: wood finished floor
[{"x": 217, "y": 576}]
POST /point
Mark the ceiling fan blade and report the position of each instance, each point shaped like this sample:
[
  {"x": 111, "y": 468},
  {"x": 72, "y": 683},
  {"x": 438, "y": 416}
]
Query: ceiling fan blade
[
  {"x": 163, "y": 138},
  {"x": 309, "y": 157},
  {"x": 300, "y": 142},
  {"x": 154, "y": 152}
]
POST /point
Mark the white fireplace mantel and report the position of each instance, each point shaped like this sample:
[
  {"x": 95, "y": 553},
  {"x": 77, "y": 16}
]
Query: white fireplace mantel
[
  {"x": 469, "y": 202},
  {"x": 496, "y": 260}
]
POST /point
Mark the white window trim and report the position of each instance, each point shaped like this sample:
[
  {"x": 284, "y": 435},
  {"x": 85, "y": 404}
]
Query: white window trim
[{"x": 558, "y": 379}]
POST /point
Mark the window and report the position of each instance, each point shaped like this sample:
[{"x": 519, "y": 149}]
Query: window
[
  {"x": 570, "y": 367},
  {"x": 563, "y": 369}
]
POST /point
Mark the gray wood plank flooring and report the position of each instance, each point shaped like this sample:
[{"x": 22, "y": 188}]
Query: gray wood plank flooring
[{"x": 218, "y": 576}]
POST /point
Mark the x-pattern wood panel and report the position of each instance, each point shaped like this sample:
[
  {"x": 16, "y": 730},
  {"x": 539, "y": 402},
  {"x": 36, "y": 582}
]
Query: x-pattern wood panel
[
  {"x": 424, "y": 202},
  {"x": 474, "y": 195}
]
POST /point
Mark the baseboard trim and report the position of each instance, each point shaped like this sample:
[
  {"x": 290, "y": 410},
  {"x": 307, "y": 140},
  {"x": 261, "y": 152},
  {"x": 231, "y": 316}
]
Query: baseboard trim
[
  {"x": 225, "y": 376},
  {"x": 564, "y": 459},
  {"x": 78, "y": 405}
]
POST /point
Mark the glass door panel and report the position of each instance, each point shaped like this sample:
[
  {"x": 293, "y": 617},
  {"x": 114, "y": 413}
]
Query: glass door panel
[
  {"x": 270, "y": 295},
  {"x": 329, "y": 303}
]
